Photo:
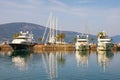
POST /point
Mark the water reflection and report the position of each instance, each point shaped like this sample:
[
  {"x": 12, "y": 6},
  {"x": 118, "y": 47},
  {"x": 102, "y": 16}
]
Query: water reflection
[
  {"x": 60, "y": 58},
  {"x": 51, "y": 60},
  {"x": 82, "y": 58},
  {"x": 58, "y": 65},
  {"x": 19, "y": 58},
  {"x": 104, "y": 58},
  {"x": 50, "y": 64},
  {"x": 5, "y": 53}
]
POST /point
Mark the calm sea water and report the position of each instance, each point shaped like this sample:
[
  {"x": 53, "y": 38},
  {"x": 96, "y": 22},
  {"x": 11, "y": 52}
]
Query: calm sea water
[{"x": 25, "y": 65}]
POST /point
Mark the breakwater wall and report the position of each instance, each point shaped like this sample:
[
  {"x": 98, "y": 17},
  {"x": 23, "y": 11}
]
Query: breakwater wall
[
  {"x": 57, "y": 47},
  {"x": 5, "y": 47},
  {"x": 53, "y": 47}
]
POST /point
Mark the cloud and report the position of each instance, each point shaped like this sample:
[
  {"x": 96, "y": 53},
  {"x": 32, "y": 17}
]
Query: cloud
[
  {"x": 85, "y": 1},
  {"x": 58, "y": 3},
  {"x": 13, "y": 4},
  {"x": 50, "y": 5},
  {"x": 95, "y": 16},
  {"x": 113, "y": 16},
  {"x": 36, "y": 2}
]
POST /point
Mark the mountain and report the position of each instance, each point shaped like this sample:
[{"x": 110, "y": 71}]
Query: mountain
[
  {"x": 9, "y": 29},
  {"x": 116, "y": 39}
]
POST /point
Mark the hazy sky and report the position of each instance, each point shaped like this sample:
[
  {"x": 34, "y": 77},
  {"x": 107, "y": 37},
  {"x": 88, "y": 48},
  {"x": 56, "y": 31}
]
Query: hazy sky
[{"x": 73, "y": 15}]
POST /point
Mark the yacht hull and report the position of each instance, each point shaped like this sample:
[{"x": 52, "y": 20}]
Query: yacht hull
[
  {"x": 82, "y": 47},
  {"x": 105, "y": 47},
  {"x": 21, "y": 46}
]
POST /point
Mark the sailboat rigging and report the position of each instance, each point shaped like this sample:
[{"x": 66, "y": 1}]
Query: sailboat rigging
[{"x": 51, "y": 35}]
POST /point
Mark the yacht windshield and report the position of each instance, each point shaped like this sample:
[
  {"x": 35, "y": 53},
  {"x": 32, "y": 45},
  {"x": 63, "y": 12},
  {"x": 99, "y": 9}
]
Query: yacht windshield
[
  {"x": 83, "y": 37},
  {"x": 21, "y": 38}
]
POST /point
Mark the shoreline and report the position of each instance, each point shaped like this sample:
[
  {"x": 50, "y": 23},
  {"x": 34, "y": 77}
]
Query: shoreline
[{"x": 57, "y": 47}]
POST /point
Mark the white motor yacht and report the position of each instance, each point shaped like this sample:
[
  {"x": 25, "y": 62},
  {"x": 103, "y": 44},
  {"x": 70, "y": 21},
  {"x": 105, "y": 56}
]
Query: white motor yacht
[
  {"x": 25, "y": 40},
  {"x": 82, "y": 42},
  {"x": 104, "y": 42}
]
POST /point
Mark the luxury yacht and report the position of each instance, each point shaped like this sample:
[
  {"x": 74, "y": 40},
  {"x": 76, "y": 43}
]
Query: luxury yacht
[
  {"x": 82, "y": 42},
  {"x": 104, "y": 42},
  {"x": 24, "y": 41}
]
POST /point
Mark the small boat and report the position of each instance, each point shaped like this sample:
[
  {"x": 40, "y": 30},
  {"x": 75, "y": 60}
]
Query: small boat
[
  {"x": 24, "y": 41},
  {"x": 104, "y": 42},
  {"x": 82, "y": 42}
]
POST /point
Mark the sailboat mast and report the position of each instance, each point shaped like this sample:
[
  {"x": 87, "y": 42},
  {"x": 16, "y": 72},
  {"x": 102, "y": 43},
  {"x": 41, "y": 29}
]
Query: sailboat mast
[
  {"x": 56, "y": 26},
  {"x": 52, "y": 30},
  {"x": 46, "y": 31}
]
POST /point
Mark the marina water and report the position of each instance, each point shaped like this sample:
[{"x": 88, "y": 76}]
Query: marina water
[{"x": 24, "y": 65}]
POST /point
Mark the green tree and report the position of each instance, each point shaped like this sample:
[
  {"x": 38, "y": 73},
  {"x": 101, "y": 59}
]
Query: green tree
[
  {"x": 15, "y": 35},
  {"x": 74, "y": 39},
  {"x": 58, "y": 37},
  {"x": 61, "y": 36},
  {"x": 40, "y": 39},
  {"x": 92, "y": 40},
  {"x": 100, "y": 34}
]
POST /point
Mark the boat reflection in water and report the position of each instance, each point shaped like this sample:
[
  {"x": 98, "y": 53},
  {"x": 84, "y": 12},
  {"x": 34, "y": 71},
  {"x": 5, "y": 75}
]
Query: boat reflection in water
[
  {"x": 60, "y": 65},
  {"x": 7, "y": 53},
  {"x": 104, "y": 58},
  {"x": 82, "y": 58},
  {"x": 51, "y": 61},
  {"x": 19, "y": 58}
]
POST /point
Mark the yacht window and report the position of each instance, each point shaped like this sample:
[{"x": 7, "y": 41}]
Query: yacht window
[
  {"x": 82, "y": 41},
  {"x": 21, "y": 38}
]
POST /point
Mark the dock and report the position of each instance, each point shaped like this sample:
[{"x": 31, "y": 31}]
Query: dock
[
  {"x": 5, "y": 47},
  {"x": 57, "y": 47}
]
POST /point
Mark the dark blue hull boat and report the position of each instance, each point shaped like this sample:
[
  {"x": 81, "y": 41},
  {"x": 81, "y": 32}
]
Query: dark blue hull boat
[{"x": 21, "y": 46}]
